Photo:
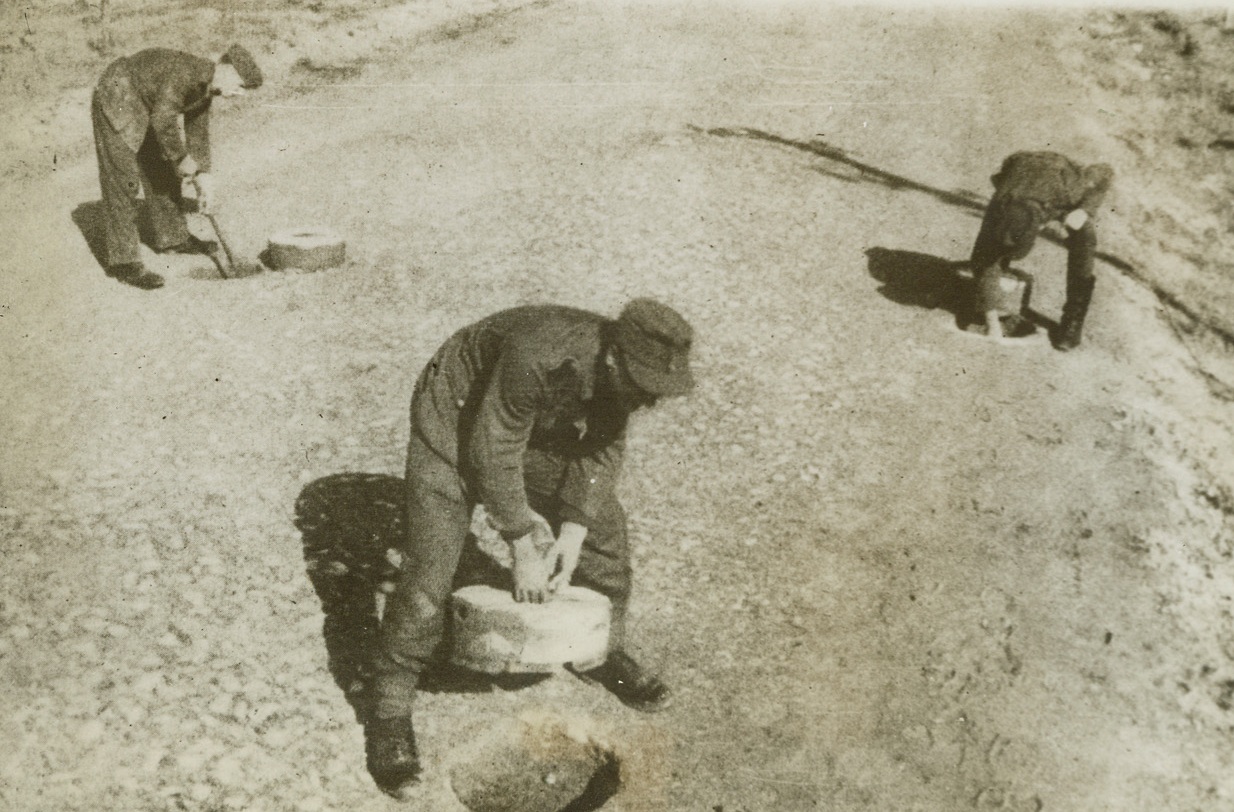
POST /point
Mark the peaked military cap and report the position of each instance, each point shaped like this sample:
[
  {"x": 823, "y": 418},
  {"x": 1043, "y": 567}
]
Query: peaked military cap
[{"x": 654, "y": 343}]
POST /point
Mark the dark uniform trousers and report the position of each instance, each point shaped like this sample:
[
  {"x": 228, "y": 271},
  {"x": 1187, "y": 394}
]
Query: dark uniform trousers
[
  {"x": 999, "y": 242},
  {"x": 438, "y": 560},
  {"x": 123, "y": 173}
]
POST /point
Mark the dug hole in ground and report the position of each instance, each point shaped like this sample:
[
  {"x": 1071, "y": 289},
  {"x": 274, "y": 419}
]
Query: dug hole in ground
[{"x": 884, "y": 564}]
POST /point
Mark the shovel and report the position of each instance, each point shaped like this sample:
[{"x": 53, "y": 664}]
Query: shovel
[
  {"x": 231, "y": 263},
  {"x": 232, "y": 270}
]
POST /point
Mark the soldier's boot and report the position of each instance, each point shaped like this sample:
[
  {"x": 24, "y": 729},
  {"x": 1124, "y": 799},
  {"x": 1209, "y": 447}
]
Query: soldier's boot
[
  {"x": 1071, "y": 327},
  {"x": 629, "y": 682},
  {"x": 393, "y": 761},
  {"x": 135, "y": 274}
]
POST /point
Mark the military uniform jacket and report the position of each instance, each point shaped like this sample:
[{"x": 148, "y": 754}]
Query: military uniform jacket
[
  {"x": 1053, "y": 181},
  {"x": 523, "y": 378},
  {"x": 149, "y": 90}
]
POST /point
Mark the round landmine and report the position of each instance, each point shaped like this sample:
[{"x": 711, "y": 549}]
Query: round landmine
[
  {"x": 1015, "y": 291},
  {"x": 305, "y": 249},
  {"x": 1014, "y": 286},
  {"x": 494, "y": 634}
]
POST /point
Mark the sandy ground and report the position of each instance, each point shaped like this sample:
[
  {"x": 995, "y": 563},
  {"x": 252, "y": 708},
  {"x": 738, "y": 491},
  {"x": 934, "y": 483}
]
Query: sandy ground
[{"x": 886, "y": 564}]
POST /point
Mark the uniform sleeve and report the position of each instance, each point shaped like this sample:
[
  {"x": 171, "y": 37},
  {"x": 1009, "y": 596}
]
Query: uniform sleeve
[
  {"x": 590, "y": 481},
  {"x": 499, "y": 438},
  {"x": 165, "y": 122},
  {"x": 197, "y": 133}
]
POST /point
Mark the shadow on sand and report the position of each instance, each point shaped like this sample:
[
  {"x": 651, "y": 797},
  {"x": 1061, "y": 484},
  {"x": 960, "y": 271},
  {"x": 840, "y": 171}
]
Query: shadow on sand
[
  {"x": 88, "y": 217},
  {"x": 842, "y": 165},
  {"x": 920, "y": 280},
  {"x": 350, "y": 526}
]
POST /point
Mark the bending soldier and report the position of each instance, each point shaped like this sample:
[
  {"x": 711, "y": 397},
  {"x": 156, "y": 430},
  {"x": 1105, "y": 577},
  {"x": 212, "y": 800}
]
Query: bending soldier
[
  {"x": 523, "y": 412},
  {"x": 136, "y": 112},
  {"x": 1032, "y": 189}
]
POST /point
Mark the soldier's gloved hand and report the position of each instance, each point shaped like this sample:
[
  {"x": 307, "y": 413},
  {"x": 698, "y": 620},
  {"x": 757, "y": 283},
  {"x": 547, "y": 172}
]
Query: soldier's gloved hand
[
  {"x": 204, "y": 183},
  {"x": 533, "y": 563},
  {"x": 1076, "y": 219},
  {"x": 569, "y": 545},
  {"x": 187, "y": 167}
]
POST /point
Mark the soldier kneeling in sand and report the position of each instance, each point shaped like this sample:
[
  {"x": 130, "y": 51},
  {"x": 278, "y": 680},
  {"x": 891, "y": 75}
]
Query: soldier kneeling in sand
[
  {"x": 1032, "y": 189},
  {"x": 523, "y": 412}
]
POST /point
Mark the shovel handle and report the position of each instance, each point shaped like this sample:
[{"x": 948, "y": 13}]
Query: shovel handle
[{"x": 231, "y": 262}]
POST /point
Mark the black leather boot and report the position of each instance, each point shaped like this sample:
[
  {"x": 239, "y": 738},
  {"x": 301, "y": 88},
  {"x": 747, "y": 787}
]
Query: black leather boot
[
  {"x": 393, "y": 761},
  {"x": 1071, "y": 327},
  {"x": 135, "y": 274},
  {"x": 629, "y": 682}
]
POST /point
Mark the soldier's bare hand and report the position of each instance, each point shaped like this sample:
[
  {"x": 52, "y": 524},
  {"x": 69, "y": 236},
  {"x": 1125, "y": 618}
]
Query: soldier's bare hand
[
  {"x": 569, "y": 546},
  {"x": 534, "y": 558},
  {"x": 187, "y": 167},
  {"x": 1076, "y": 219}
]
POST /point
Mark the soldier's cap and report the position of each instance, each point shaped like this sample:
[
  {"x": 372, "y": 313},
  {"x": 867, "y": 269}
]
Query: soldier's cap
[
  {"x": 654, "y": 345},
  {"x": 239, "y": 58}
]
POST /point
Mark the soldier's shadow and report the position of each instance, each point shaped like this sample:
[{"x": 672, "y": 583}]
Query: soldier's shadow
[
  {"x": 921, "y": 280},
  {"x": 349, "y": 525},
  {"x": 918, "y": 280},
  {"x": 88, "y": 217},
  {"x": 91, "y": 218}
]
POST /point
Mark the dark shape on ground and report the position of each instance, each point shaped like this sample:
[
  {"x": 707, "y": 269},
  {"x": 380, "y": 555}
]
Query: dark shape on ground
[
  {"x": 872, "y": 174},
  {"x": 916, "y": 279},
  {"x": 867, "y": 172},
  {"x": 965, "y": 200},
  {"x": 347, "y": 523},
  {"x": 922, "y": 280},
  {"x": 602, "y": 786},
  {"x": 88, "y": 218},
  {"x": 523, "y": 773}
]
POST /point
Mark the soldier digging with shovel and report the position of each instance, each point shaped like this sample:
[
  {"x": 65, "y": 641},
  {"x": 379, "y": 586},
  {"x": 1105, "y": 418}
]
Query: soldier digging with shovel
[{"x": 136, "y": 111}]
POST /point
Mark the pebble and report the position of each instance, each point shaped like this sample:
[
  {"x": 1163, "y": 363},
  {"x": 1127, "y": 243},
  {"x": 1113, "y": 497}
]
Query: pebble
[
  {"x": 260, "y": 713},
  {"x": 240, "y": 711},
  {"x": 91, "y": 731},
  {"x": 200, "y": 792},
  {"x": 228, "y": 771},
  {"x": 88, "y": 649},
  {"x": 197, "y": 654},
  {"x": 229, "y": 682},
  {"x": 278, "y": 738},
  {"x": 130, "y": 711},
  {"x": 221, "y": 706},
  {"x": 193, "y": 759},
  {"x": 257, "y": 690},
  {"x": 139, "y": 606}
]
